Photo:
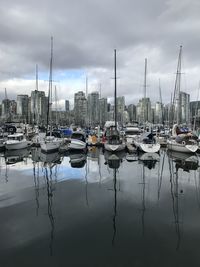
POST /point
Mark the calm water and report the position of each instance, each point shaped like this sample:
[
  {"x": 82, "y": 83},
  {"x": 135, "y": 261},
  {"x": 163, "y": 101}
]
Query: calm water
[{"x": 99, "y": 210}]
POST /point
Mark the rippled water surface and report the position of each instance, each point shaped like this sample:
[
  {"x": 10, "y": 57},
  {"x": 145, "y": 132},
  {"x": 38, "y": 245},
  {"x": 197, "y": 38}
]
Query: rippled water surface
[{"x": 99, "y": 209}]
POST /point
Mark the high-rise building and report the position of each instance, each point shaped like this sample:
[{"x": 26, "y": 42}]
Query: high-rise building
[
  {"x": 120, "y": 109},
  {"x": 195, "y": 113},
  {"x": 66, "y": 105},
  {"x": 143, "y": 110},
  {"x": 6, "y": 108},
  {"x": 80, "y": 109},
  {"x": 132, "y": 112},
  {"x": 158, "y": 113},
  {"x": 93, "y": 109},
  {"x": 182, "y": 108},
  {"x": 103, "y": 112},
  {"x": 22, "y": 107},
  {"x": 38, "y": 107},
  {"x": 185, "y": 107}
]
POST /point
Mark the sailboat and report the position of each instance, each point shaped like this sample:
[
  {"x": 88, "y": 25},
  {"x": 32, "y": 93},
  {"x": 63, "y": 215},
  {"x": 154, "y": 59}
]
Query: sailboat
[
  {"x": 113, "y": 141},
  {"x": 50, "y": 143},
  {"x": 180, "y": 141},
  {"x": 146, "y": 142}
]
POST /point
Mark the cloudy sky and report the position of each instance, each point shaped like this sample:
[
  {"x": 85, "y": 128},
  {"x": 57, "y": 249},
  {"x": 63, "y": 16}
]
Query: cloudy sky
[{"x": 85, "y": 34}]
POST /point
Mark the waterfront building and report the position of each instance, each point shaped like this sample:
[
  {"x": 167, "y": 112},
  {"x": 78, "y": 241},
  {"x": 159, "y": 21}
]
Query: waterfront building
[
  {"x": 126, "y": 118},
  {"x": 132, "y": 112},
  {"x": 103, "y": 112},
  {"x": 158, "y": 113},
  {"x": 195, "y": 112},
  {"x": 182, "y": 107},
  {"x": 6, "y": 108},
  {"x": 93, "y": 109},
  {"x": 120, "y": 109},
  {"x": 111, "y": 116},
  {"x": 13, "y": 107},
  {"x": 66, "y": 105},
  {"x": 38, "y": 107},
  {"x": 22, "y": 107},
  {"x": 80, "y": 109},
  {"x": 143, "y": 110}
]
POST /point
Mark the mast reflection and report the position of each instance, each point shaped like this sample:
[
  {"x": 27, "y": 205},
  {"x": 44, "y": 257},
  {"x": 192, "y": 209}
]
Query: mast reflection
[
  {"x": 36, "y": 185},
  {"x": 50, "y": 163},
  {"x": 149, "y": 161},
  {"x": 49, "y": 187},
  {"x": 177, "y": 161},
  {"x": 113, "y": 161}
]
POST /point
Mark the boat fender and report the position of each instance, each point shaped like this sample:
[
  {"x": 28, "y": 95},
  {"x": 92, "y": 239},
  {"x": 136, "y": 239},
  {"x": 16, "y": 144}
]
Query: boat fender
[{"x": 183, "y": 142}]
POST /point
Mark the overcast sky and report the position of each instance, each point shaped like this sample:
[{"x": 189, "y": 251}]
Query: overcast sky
[{"x": 85, "y": 34}]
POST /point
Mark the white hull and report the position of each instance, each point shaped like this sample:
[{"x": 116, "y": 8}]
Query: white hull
[
  {"x": 183, "y": 148},
  {"x": 13, "y": 145},
  {"x": 114, "y": 148},
  {"x": 147, "y": 148},
  {"x": 77, "y": 145},
  {"x": 50, "y": 146}
]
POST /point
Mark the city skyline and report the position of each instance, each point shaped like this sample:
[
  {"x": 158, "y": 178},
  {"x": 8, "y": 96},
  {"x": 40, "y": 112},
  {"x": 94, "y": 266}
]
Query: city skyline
[{"x": 85, "y": 35}]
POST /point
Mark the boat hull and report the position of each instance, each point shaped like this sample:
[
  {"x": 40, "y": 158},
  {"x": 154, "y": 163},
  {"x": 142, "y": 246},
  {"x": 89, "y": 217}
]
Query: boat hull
[
  {"x": 183, "y": 148},
  {"x": 16, "y": 145},
  {"x": 77, "y": 145},
  {"x": 50, "y": 146},
  {"x": 147, "y": 148},
  {"x": 114, "y": 148}
]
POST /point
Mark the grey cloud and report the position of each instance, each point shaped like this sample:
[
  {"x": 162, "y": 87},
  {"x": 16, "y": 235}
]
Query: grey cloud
[{"x": 86, "y": 32}]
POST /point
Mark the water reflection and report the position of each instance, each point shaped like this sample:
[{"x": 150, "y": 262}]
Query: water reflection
[
  {"x": 187, "y": 162},
  {"x": 114, "y": 161},
  {"x": 179, "y": 161},
  {"x": 36, "y": 175},
  {"x": 15, "y": 156},
  {"x": 77, "y": 159},
  {"x": 175, "y": 200},
  {"x": 149, "y": 159},
  {"x": 49, "y": 186},
  {"x": 98, "y": 219}
]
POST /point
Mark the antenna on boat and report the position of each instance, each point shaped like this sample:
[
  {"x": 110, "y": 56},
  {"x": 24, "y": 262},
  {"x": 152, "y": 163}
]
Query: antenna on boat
[{"x": 115, "y": 94}]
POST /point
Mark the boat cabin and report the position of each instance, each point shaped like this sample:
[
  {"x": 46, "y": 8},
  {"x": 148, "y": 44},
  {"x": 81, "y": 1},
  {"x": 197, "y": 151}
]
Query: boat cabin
[
  {"x": 78, "y": 136},
  {"x": 16, "y": 137}
]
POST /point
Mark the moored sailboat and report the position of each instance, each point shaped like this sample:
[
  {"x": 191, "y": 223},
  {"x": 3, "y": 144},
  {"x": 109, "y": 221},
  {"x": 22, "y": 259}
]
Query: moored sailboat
[
  {"x": 113, "y": 141},
  {"x": 50, "y": 143},
  {"x": 180, "y": 141}
]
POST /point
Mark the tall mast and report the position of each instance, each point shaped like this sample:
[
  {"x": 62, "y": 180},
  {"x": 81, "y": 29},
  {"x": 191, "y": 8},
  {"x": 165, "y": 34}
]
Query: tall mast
[
  {"x": 50, "y": 87},
  {"x": 115, "y": 94},
  {"x": 145, "y": 78},
  {"x": 178, "y": 86},
  {"x": 160, "y": 93}
]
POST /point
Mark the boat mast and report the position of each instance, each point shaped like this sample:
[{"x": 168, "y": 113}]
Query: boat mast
[
  {"x": 178, "y": 86},
  {"x": 50, "y": 89},
  {"x": 115, "y": 94},
  {"x": 162, "y": 115}
]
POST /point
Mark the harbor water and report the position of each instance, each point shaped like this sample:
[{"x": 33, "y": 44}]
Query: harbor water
[{"x": 99, "y": 209}]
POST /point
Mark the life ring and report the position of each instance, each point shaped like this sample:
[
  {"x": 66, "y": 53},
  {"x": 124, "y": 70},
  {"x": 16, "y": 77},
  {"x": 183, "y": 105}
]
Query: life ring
[{"x": 183, "y": 143}]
